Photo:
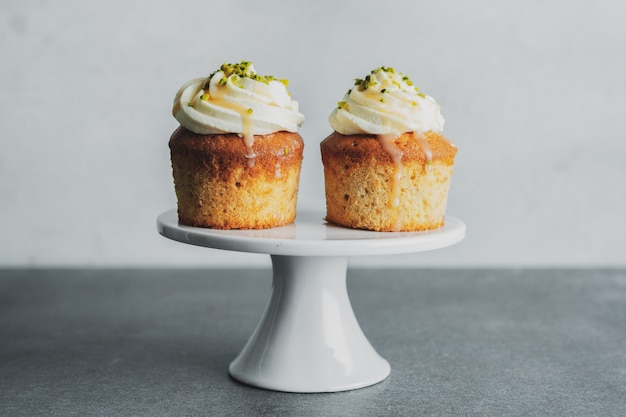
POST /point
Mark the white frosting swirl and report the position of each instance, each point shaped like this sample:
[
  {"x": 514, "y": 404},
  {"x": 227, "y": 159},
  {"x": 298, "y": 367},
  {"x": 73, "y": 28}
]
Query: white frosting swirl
[
  {"x": 386, "y": 103},
  {"x": 239, "y": 102}
]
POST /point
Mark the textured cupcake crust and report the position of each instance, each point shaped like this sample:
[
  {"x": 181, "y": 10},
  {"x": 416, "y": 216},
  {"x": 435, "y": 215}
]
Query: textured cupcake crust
[
  {"x": 359, "y": 179},
  {"x": 217, "y": 186}
]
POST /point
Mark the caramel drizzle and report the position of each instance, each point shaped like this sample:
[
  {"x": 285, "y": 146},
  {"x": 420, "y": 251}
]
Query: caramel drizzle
[
  {"x": 387, "y": 142},
  {"x": 247, "y": 125},
  {"x": 248, "y": 137},
  {"x": 421, "y": 140}
]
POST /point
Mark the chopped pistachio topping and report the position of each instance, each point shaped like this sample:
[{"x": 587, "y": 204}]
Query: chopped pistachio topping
[
  {"x": 249, "y": 111},
  {"x": 369, "y": 81},
  {"x": 422, "y": 95},
  {"x": 341, "y": 104},
  {"x": 286, "y": 151},
  {"x": 204, "y": 97},
  {"x": 364, "y": 84},
  {"x": 243, "y": 69}
]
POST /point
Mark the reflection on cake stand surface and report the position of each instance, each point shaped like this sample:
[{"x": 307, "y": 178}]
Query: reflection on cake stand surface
[{"x": 308, "y": 339}]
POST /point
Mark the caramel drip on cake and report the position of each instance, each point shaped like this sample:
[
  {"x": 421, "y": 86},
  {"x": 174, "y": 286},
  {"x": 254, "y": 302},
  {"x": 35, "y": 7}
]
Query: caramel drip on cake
[
  {"x": 248, "y": 137},
  {"x": 246, "y": 127},
  {"x": 421, "y": 140},
  {"x": 387, "y": 142}
]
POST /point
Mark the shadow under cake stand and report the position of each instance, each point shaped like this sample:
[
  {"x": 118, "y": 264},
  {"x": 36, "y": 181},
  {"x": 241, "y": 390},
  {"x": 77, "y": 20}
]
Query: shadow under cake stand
[{"x": 308, "y": 339}]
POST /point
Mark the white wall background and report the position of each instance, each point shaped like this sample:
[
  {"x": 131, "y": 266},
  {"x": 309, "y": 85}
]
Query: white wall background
[{"x": 534, "y": 94}]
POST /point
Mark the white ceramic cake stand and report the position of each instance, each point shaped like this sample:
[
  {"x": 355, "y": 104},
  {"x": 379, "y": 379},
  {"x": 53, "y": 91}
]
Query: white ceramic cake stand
[{"x": 308, "y": 339}]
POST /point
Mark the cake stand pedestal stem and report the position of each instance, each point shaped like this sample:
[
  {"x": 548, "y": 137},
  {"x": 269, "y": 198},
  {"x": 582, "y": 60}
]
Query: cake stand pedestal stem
[{"x": 308, "y": 339}]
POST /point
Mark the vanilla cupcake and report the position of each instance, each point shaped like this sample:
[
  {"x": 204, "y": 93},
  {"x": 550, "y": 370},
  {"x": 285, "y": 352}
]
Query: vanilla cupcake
[
  {"x": 237, "y": 155},
  {"x": 387, "y": 166}
]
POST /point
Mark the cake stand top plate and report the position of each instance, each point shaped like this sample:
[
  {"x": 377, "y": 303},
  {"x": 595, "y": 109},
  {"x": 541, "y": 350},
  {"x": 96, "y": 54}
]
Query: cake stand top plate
[{"x": 310, "y": 235}]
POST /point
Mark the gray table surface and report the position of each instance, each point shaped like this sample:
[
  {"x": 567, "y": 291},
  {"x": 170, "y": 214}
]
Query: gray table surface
[{"x": 460, "y": 342}]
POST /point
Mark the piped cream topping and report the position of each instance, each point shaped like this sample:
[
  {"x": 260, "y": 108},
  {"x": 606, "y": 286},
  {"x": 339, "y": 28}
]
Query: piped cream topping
[
  {"x": 386, "y": 102},
  {"x": 235, "y": 99}
]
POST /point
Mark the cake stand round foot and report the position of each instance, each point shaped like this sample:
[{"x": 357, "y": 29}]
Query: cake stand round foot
[{"x": 308, "y": 339}]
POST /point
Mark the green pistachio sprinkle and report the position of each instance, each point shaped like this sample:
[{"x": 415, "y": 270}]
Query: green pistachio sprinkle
[
  {"x": 369, "y": 81},
  {"x": 249, "y": 111},
  {"x": 365, "y": 83},
  {"x": 204, "y": 97},
  {"x": 341, "y": 104},
  {"x": 422, "y": 95},
  {"x": 384, "y": 90},
  {"x": 242, "y": 70},
  {"x": 286, "y": 151}
]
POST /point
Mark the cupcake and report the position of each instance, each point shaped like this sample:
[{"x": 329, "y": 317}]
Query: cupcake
[
  {"x": 236, "y": 156},
  {"x": 387, "y": 166}
]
